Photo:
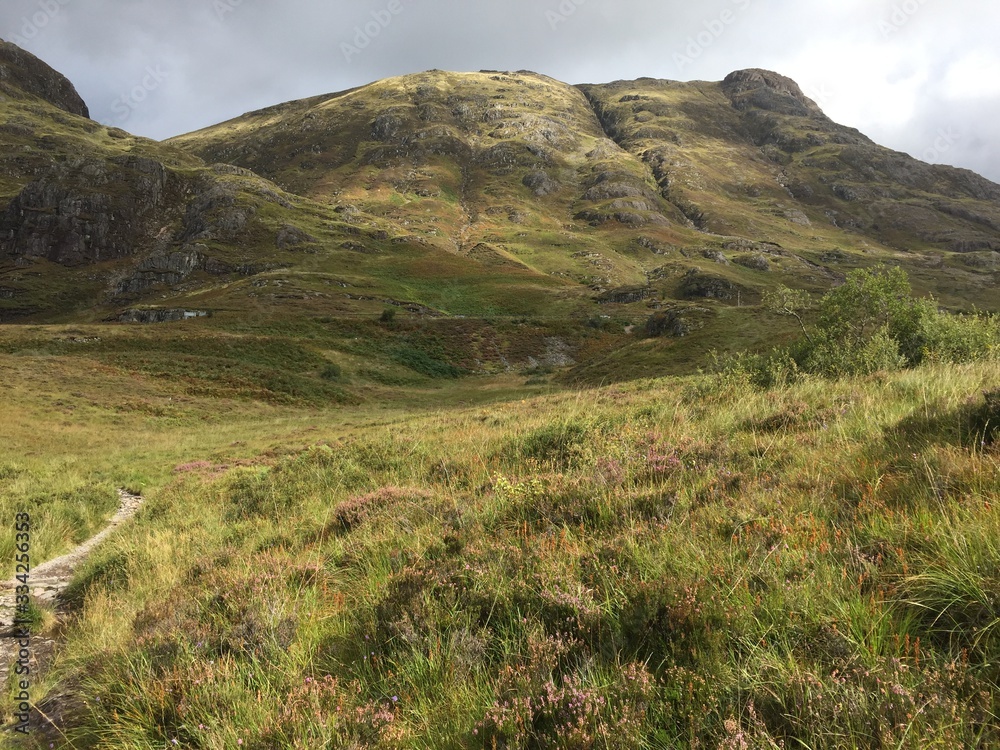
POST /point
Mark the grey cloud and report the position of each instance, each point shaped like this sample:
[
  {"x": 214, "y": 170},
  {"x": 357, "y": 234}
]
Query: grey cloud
[{"x": 216, "y": 59}]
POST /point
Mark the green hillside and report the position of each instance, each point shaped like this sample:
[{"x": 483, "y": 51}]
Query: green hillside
[
  {"x": 478, "y": 410},
  {"x": 485, "y": 197}
]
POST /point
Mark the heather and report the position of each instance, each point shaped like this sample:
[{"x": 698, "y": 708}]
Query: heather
[{"x": 692, "y": 562}]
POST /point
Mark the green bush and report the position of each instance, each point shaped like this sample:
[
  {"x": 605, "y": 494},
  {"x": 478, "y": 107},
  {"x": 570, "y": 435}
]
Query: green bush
[
  {"x": 958, "y": 338},
  {"x": 331, "y": 372},
  {"x": 768, "y": 370},
  {"x": 834, "y": 357},
  {"x": 870, "y": 324},
  {"x": 558, "y": 442},
  {"x": 869, "y": 302}
]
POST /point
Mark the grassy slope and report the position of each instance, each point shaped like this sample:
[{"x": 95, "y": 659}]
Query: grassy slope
[
  {"x": 659, "y": 564},
  {"x": 782, "y": 178},
  {"x": 409, "y": 193},
  {"x": 444, "y": 155}
]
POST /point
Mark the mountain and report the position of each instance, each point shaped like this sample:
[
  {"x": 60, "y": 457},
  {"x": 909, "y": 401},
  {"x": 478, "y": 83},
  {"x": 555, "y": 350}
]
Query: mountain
[
  {"x": 479, "y": 197},
  {"x": 22, "y": 75}
]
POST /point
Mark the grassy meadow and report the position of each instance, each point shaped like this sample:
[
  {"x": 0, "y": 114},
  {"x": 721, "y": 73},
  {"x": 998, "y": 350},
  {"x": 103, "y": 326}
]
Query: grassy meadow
[{"x": 474, "y": 563}]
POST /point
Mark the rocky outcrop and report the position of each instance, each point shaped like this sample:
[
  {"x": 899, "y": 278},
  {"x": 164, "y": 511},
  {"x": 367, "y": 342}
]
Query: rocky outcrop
[
  {"x": 624, "y": 296},
  {"x": 706, "y": 286},
  {"x": 215, "y": 214},
  {"x": 292, "y": 238},
  {"x": 540, "y": 183},
  {"x": 23, "y": 73},
  {"x": 764, "y": 89},
  {"x": 159, "y": 315},
  {"x": 666, "y": 323},
  {"x": 165, "y": 268},
  {"x": 754, "y": 261},
  {"x": 88, "y": 211}
]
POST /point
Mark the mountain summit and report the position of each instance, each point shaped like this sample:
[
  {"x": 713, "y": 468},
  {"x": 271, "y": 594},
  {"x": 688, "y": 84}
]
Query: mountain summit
[{"x": 765, "y": 89}]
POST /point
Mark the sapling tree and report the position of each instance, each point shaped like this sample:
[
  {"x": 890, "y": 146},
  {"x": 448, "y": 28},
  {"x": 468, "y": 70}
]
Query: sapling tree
[{"x": 791, "y": 303}]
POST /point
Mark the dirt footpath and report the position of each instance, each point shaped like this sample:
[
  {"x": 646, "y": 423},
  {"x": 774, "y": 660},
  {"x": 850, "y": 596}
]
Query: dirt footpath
[{"x": 46, "y": 583}]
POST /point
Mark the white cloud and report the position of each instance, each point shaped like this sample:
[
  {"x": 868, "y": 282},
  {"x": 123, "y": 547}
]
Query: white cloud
[{"x": 974, "y": 76}]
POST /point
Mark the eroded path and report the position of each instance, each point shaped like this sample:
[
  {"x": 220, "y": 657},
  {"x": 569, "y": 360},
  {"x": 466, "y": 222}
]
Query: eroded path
[{"x": 47, "y": 582}]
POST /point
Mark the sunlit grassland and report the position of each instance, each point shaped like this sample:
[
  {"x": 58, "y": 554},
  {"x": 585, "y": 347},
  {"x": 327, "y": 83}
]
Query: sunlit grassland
[
  {"x": 670, "y": 563},
  {"x": 85, "y": 412}
]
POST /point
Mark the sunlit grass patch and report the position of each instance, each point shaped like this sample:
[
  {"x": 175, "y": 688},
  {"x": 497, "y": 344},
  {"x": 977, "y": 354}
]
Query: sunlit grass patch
[{"x": 663, "y": 563}]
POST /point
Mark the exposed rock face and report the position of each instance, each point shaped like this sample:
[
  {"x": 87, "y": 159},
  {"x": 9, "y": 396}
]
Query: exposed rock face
[
  {"x": 666, "y": 323},
  {"x": 291, "y": 237},
  {"x": 215, "y": 213},
  {"x": 84, "y": 212},
  {"x": 540, "y": 183},
  {"x": 755, "y": 262},
  {"x": 767, "y": 90},
  {"x": 87, "y": 211},
  {"x": 704, "y": 286},
  {"x": 22, "y": 72},
  {"x": 168, "y": 268},
  {"x": 148, "y": 316},
  {"x": 624, "y": 296}
]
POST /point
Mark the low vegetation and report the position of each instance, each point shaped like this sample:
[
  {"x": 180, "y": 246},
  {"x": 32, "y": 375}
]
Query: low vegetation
[
  {"x": 689, "y": 562},
  {"x": 869, "y": 324},
  {"x": 380, "y": 511}
]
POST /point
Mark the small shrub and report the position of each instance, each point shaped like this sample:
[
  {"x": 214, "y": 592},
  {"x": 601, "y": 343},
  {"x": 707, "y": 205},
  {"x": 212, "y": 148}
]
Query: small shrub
[
  {"x": 331, "y": 372},
  {"x": 558, "y": 442},
  {"x": 10, "y": 471},
  {"x": 572, "y": 712},
  {"x": 356, "y": 510},
  {"x": 768, "y": 370},
  {"x": 834, "y": 357},
  {"x": 252, "y": 493},
  {"x": 957, "y": 338}
]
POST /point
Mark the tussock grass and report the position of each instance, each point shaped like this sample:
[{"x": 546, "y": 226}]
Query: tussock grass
[{"x": 675, "y": 563}]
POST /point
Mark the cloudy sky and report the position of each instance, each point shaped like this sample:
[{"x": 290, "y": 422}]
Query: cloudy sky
[{"x": 921, "y": 76}]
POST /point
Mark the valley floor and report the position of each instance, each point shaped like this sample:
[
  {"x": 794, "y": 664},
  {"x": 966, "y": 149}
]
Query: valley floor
[{"x": 684, "y": 562}]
